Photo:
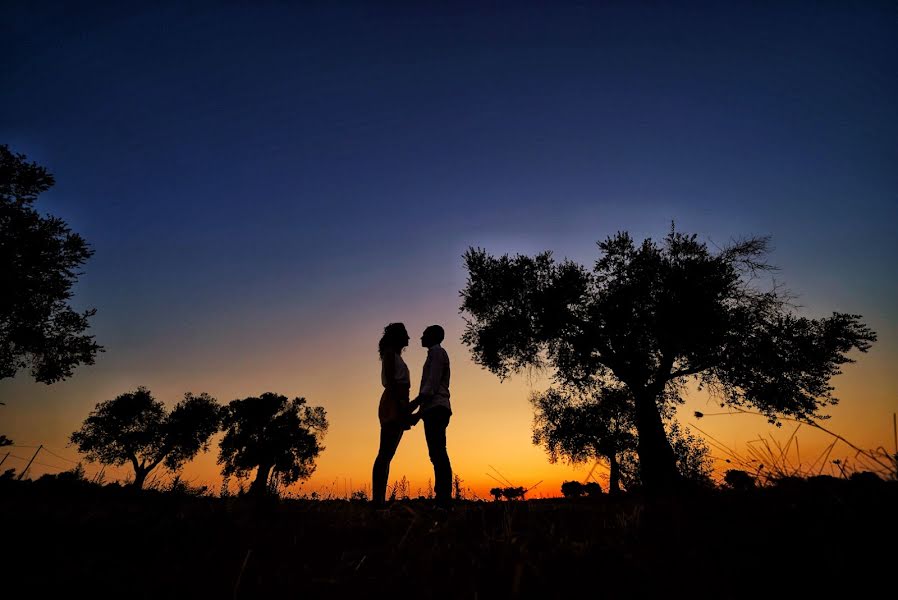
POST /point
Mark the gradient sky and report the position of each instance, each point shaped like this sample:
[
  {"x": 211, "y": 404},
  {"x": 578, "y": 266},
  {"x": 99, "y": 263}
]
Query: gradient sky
[{"x": 267, "y": 184}]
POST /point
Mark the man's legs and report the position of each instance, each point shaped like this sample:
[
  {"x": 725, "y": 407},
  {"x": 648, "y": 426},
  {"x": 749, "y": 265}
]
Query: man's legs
[
  {"x": 390, "y": 435},
  {"x": 436, "y": 420}
]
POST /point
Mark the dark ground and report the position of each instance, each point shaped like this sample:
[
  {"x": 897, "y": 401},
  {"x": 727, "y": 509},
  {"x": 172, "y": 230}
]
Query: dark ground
[{"x": 829, "y": 538}]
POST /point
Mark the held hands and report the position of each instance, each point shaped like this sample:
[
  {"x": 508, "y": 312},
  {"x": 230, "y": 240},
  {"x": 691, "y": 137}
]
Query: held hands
[{"x": 413, "y": 418}]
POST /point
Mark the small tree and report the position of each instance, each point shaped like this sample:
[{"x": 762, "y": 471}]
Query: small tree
[
  {"x": 572, "y": 489},
  {"x": 581, "y": 427},
  {"x": 272, "y": 435},
  {"x": 514, "y": 493},
  {"x": 136, "y": 428},
  {"x": 738, "y": 479},
  {"x": 39, "y": 262},
  {"x": 691, "y": 455},
  {"x": 650, "y": 316},
  {"x": 592, "y": 489}
]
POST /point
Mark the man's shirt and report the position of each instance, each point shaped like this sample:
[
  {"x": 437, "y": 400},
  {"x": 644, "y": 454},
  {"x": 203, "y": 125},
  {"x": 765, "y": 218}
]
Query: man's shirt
[{"x": 435, "y": 379}]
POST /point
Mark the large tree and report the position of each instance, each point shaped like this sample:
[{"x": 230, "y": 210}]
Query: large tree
[
  {"x": 650, "y": 316},
  {"x": 273, "y": 435},
  {"x": 135, "y": 428},
  {"x": 39, "y": 262}
]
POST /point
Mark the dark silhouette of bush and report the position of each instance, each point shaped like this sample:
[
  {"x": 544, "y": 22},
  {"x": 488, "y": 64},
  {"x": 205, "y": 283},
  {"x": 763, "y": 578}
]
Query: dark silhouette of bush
[
  {"x": 509, "y": 493},
  {"x": 739, "y": 480},
  {"x": 592, "y": 489},
  {"x": 572, "y": 489},
  {"x": 865, "y": 478}
]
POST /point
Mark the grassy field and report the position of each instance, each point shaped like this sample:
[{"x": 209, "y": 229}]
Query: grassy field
[{"x": 805, "y": 538}]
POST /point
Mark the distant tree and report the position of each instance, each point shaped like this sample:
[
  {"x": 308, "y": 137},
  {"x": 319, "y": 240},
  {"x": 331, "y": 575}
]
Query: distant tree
[
  {"x": 272, "y": 435},
  {"x": 496, "y": 493},
  {"x": 592, "y": 489},
  {"x": 649, "y": 316},
  {"x": 738, "y": 479},
  {"x": 580, "y": 426},
  {"x": 572, "y": 489},
  {"x": 514, "y": 493},
  {"x": 135, "y": 428},
  {"x": 39, "y": 262}
]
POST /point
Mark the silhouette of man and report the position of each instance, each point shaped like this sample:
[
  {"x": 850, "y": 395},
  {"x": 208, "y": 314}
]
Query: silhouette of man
[{"x": 435, "y": 410}]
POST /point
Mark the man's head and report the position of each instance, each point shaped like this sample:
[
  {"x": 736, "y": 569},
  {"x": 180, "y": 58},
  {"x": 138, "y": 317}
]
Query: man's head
[{"x": 432, "y": 336}]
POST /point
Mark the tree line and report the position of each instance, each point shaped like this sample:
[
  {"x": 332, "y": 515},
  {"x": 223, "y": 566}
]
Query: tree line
[{"x": 278, "y": 438}]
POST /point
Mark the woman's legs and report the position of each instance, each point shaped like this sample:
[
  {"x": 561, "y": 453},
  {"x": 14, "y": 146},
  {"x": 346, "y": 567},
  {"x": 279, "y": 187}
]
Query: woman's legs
[{"x": 390, "y": 435}]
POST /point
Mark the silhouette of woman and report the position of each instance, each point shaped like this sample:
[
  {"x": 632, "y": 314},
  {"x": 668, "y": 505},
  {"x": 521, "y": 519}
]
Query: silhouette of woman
[{"x": 393, "y": 410}]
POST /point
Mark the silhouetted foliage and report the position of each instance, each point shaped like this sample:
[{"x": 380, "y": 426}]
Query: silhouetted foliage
[
  {"x": 738, "y": 479},
  {"x": 692, "y": 458},
  {"x": 572, "y": 489},
  {"x": 592, "y": 489},
  {"x": 135, "y": 428},
  {"x": 650, "y": 316},
  {"x": 180, "y": 487},
  {"x": 509, "y": 493},
  {"x": 72, "y": 477},
  {"x": 274, "y": 436},
  {"x": 582, "y": 426},
  {"x": 692, "y": 455},
  {"x": 866, "y": 478},
  {"x": 39, "y": 262},
  {"x": 514, "y": 493}
]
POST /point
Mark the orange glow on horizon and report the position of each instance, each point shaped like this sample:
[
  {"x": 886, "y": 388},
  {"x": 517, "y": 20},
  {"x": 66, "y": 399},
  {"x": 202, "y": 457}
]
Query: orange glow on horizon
[{"x": 489, "y": 435}]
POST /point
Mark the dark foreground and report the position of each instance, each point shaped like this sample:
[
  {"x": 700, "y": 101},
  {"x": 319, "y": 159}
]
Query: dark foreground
[{"x": 820, "y": 539}]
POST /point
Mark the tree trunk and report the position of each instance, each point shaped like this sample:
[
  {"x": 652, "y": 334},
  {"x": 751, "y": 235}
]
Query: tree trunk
[
  {"x": 657, "y": 464},
  {"x": 140, "y": 476},
  {"x": 614, "y": 477},
  {"x": 259, "y": 486}
]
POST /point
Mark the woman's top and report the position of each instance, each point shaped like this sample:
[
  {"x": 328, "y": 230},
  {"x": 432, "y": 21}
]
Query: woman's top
[
  {"x": 393, "y": 406},
  {"x": 400, "y": 372}
]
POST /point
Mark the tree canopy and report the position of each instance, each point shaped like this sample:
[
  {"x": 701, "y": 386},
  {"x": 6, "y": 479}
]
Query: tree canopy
[
  {"x": 649, "y": 316},
  {"x": 39, "y": 262},
  {"x": 276, "y": 436},
  {"x": 135, "y": 428}
]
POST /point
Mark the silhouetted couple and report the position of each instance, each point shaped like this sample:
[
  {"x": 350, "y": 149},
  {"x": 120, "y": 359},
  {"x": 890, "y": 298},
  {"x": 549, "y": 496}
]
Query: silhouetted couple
[{"x": 397, "y": 414}]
